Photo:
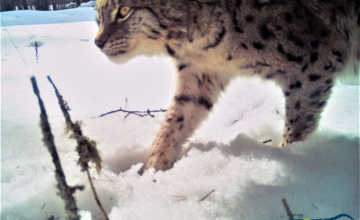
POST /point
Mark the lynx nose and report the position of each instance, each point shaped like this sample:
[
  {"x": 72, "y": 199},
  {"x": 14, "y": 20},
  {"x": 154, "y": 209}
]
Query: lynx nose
[{"x": 100, "y": 44}]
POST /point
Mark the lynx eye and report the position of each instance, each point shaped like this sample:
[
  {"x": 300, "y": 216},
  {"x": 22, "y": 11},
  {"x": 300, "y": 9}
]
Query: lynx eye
[{"x": 124, "y": 12}]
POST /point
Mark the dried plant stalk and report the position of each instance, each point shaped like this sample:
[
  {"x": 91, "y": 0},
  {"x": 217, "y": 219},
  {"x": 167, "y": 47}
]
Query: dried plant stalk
[
  {"x": 66, "y": 192},
  {"x": 86, "y": 148}
]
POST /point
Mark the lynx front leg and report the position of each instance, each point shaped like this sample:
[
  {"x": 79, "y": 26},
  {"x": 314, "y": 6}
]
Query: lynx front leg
[
  {"x": 304, "y": 103},
  {"x": 196, "y": 93}
]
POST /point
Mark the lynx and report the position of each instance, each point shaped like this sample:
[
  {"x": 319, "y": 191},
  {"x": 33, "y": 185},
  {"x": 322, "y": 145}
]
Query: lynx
[{"x": 303, "y": 45}]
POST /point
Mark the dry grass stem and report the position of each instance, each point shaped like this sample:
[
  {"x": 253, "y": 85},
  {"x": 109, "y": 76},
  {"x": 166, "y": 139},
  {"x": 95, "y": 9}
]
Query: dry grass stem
[
  {"x": 66, "y": 192},
  {"x": 86, "y": 148},
  {"x": 95, "y": 195}
]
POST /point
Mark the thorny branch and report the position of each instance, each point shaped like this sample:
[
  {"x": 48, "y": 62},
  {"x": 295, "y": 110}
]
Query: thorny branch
[
  {"x": 86, "y": 148},
  {"x": 66, "y": 192},
  {"x": 138, "y": 113}
]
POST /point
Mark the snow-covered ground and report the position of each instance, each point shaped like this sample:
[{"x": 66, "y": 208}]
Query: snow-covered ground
[{"x": 319, "y": 177}]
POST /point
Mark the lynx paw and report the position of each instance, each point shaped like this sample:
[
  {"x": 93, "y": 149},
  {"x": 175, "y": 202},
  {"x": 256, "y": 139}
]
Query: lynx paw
[{"x": 159, "y": 162}]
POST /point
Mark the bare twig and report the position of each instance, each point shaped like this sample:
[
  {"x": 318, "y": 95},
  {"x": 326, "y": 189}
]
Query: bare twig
[
  {"x": 66, "y": 192},
  {"x": 207, "y": 195},
  {"x": 313, "y": 205},
  {"x": 264, "y": 142},
  {"x": 86, "y": 148},
  {"x": 287, "y": 209},
  {"x": 95, "y": 194},
  {"x": 138, "y": 113}
]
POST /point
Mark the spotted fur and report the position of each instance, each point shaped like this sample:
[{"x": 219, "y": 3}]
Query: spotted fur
[{"x": 302, "y": 45}]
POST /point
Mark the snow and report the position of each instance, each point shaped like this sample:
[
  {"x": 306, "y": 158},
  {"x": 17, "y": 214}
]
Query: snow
[
  {"x": 87, "y": 4},
  {"x": 318, "y": 177},
  {"x": 32, "y": 17}
]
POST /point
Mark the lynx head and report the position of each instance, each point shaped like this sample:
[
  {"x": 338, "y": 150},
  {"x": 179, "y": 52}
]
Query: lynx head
[{"x": 131, "y": 27}]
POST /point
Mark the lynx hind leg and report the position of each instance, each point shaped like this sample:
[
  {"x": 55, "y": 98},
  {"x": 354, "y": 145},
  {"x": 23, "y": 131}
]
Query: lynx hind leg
[{"x": 305, "y": 100}]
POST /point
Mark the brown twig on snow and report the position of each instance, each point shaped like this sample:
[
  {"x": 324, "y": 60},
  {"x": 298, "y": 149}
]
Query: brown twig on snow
[
  {"x": 95, "y": 194},
  {"x": 66, "y": 192},
  {"x": 86, "y": 148},
  {"x": 207, "y": 195},
  {"x": 287, "y": 209},
  {"x": 138, "y": 113},
  {"x": 264, "y": 142}
]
